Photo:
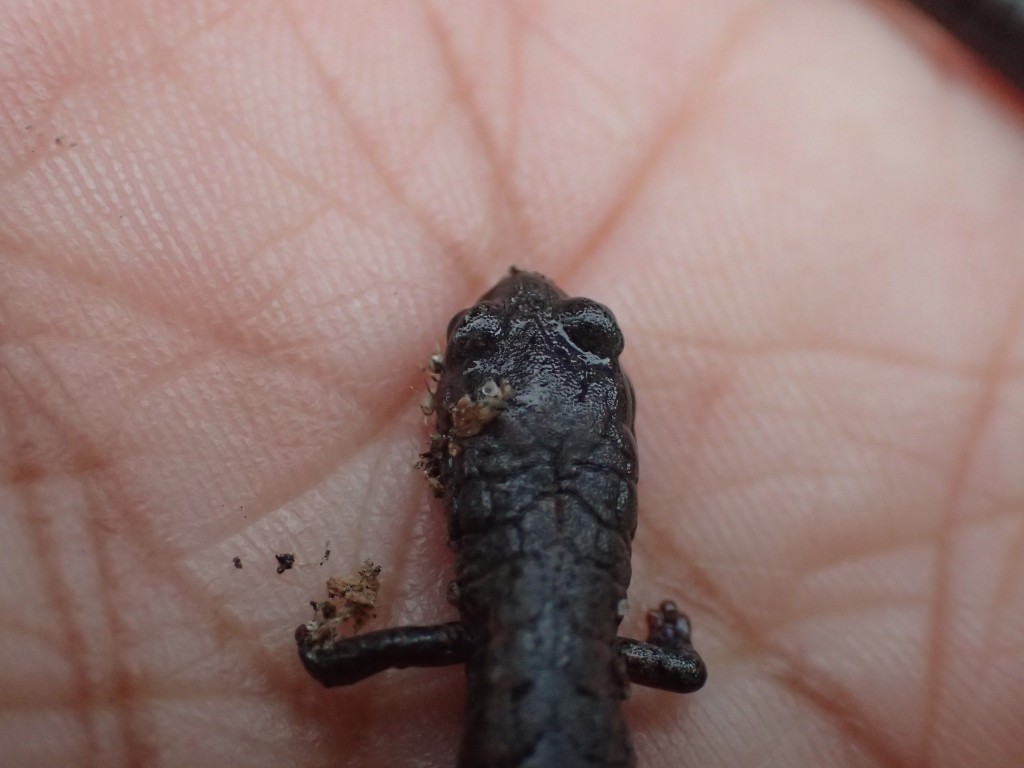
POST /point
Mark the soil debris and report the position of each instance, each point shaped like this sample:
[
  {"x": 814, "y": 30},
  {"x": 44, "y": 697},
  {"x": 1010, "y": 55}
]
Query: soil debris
[{"x": 351, "y": 600}]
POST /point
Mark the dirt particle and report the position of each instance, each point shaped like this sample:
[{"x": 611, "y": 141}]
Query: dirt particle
[
  {"x": 351, "y": 600},
  {"x": 470, "y": 415},
  {"x": 285, "y": 562}
]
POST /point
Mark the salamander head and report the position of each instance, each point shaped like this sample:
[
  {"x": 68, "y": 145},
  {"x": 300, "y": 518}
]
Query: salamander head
[{"x": 553, "y": 358}]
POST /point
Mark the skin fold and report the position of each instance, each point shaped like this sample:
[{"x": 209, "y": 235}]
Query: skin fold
[{"x": 230, "y": 233}]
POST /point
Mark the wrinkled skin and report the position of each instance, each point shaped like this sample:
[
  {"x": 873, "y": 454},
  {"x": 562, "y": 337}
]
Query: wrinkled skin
[{"x": 228, "y": 235}]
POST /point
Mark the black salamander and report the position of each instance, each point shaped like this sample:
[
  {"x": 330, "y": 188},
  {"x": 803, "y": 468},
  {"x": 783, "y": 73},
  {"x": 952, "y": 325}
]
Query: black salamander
[{"x": 535, "y": 458}]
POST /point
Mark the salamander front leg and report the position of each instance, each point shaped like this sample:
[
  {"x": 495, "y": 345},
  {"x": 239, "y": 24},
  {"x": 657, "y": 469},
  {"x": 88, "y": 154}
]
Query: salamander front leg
[
  {"x": 336, "y": 660},
  {"x": 667, "y": 660}
]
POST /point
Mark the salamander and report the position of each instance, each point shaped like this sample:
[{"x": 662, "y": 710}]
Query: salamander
[{"x": 535, "y": 457}]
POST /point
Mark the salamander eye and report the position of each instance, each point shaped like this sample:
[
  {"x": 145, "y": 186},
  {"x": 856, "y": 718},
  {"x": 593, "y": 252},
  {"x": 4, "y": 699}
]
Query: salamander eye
[
  {"x": 591, "y": 327},
  {"x": 473, "y": 333}
]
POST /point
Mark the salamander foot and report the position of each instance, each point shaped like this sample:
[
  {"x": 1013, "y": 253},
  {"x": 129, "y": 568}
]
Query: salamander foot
[
  {"x": 667, "y": 660},
  {"x": 336, "y": 660}
]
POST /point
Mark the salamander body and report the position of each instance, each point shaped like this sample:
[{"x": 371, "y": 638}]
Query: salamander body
[
  {"x": 541, "y": 508},
  {"x": 535, "y": 458}
]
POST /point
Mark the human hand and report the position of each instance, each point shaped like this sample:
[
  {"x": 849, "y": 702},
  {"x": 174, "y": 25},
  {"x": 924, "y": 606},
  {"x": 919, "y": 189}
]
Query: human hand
[{"x": 230, "y": 235}]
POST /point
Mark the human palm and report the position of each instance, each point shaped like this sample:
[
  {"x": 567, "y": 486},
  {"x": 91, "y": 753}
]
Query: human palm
[{"x": 229, "y": 235}]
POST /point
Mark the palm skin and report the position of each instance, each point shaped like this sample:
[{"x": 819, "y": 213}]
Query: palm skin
[{"x": 230, "y": 234}]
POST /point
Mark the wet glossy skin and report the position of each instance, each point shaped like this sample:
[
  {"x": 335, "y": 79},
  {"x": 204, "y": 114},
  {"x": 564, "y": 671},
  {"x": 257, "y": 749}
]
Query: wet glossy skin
[{"x": 535, "y": 458}]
